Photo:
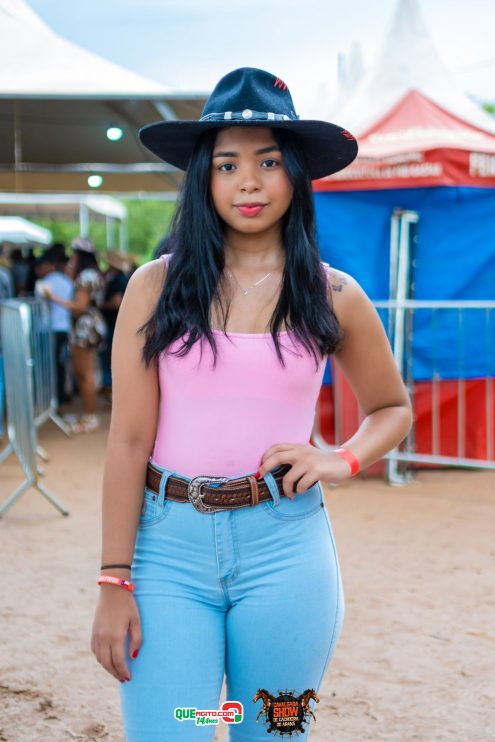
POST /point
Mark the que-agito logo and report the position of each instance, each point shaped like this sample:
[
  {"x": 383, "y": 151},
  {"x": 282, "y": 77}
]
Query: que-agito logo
[{"x": 230, "y": 712}]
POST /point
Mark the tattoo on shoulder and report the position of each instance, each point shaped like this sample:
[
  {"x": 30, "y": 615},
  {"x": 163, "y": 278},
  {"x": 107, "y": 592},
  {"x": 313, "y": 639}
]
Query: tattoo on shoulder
[{"x": 337, "y": 281}]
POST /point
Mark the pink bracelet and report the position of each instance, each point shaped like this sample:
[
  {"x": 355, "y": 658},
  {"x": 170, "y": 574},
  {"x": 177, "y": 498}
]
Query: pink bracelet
[
  {"x": 116, "y": 581},
  {"x": 350, "y": 458}
]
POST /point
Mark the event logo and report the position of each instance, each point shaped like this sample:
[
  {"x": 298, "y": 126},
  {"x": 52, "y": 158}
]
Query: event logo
[
  {"x": 285, "y": 713},
  {"x": 230, "y": 712}
]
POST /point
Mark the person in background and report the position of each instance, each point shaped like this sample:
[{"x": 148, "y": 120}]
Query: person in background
[
  {"x": 58, "y": 249},
  {"x": 20, "y": 272},
  {"x": 50, "y": 276},
  {"x": 88, "y": 329},
  {"x": 116, "y": 279}
]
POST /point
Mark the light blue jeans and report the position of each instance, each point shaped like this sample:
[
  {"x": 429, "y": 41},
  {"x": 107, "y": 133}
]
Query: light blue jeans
[{"x": 254, "y": 594}]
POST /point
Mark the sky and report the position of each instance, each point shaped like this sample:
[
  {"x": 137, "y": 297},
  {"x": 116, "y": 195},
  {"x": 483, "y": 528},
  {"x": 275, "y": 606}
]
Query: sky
[{"x": 188, "y": 45}]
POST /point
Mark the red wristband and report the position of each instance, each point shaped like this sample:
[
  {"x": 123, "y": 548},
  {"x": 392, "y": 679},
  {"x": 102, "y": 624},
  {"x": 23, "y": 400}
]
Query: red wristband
[
  {"x": 350, "y": 458},
  {"x": 116, "y": 581}
]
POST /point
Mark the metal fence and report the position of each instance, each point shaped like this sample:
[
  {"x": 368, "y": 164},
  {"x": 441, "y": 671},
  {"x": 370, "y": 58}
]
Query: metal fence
[
  {"x": 478, "y": 317},
  {"x": 28, "y": 366},
  {"x": 473, "y": 319}
]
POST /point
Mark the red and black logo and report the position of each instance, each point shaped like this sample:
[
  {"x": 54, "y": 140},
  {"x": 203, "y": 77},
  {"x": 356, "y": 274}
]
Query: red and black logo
[
  {"x": 280, "y": 84},
  {"x": 347, "y": 134},
  {"x": 286, "y": 713}
]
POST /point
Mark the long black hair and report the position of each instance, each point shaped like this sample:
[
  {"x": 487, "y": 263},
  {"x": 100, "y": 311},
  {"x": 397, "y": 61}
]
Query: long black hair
[{"x": 197, "y": 262}]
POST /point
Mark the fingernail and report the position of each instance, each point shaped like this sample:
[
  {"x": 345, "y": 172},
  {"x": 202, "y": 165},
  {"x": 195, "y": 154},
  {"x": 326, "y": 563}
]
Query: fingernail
[
  {"x": 135, "y": 654},
  {"x": 121, "y": 680},
  {"x": 257, "y": 475}
]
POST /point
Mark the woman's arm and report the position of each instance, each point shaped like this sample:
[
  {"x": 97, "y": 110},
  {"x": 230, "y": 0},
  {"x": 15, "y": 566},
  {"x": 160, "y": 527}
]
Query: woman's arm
[
  {"x": 367, "y": 361},
  {"x": 77, "y": 305},
  {"x": 135, "y": 402}
]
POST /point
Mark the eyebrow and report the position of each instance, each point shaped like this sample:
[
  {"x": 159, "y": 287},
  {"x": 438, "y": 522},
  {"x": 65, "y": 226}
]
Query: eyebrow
[{"x": 263, "y": 151}]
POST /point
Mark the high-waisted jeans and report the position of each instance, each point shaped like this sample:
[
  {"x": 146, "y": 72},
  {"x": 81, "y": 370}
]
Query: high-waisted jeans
[{"x": 254, "y": 594}]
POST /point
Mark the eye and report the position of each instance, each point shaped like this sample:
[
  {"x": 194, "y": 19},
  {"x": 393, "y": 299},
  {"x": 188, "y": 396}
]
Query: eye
[
  {"x": 269, "y": 163},
  {"x": 226, "y": 167}
]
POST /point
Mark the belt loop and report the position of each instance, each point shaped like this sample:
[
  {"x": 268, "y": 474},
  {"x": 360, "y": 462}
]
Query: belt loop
[
  {"x": 255, "y": 494},
  {"x": 272, "y": 486},
  {"x": 163, "y": 483}
]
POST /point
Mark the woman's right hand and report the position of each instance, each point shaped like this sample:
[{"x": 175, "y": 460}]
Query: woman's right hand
[{"x": 116, "y": 614}]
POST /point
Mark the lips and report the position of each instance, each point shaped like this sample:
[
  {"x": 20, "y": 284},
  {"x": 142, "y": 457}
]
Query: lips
[{"x": 250, "y": 209}]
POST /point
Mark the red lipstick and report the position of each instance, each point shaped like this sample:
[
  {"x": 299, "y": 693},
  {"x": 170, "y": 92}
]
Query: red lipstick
[{"x": 250, "y": 209}]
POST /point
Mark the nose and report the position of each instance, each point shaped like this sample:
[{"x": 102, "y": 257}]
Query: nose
[{"x": 250, "y": 182}]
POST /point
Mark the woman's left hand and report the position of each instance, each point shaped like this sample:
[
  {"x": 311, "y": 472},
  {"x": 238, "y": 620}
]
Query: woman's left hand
[{"x": 308, "y": 465}]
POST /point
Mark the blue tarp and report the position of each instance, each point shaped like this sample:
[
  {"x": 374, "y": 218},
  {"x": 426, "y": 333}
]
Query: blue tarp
[{"x": 455, "y": 259}]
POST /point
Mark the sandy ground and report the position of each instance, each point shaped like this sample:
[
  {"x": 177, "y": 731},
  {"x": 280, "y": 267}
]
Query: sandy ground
[{"x": 416, "y": 659}]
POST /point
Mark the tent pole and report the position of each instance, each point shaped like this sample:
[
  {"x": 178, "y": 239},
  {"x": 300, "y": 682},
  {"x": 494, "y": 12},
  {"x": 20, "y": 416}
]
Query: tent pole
[
  {"x": 123, "y": 234},
  {"x": 83, "y": 220}
]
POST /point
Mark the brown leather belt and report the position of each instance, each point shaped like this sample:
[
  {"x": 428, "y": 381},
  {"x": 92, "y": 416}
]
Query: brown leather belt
[{"x": 228, "y": 495}]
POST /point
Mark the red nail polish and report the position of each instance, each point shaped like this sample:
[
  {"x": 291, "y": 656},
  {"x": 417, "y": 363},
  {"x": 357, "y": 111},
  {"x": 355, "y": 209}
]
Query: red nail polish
[
  {"x": 257, "y": 475},
  {"x": 135, "y": 654}
]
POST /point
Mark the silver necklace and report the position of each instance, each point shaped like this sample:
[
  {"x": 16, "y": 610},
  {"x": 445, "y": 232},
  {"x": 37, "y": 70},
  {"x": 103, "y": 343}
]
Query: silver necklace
[{"x": 245, "y": 291}]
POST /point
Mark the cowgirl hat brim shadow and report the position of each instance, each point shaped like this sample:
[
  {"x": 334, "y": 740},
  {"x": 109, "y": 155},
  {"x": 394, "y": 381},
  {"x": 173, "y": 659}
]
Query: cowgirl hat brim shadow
[{"x": 253, "y": 97}]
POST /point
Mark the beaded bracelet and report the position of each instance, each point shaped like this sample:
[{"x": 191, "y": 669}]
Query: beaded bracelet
[
  {"x": 116, "y": 581},
  {"x": 350, "y": 458}
]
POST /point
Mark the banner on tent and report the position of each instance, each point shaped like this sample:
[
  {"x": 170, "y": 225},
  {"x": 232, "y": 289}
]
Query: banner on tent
[{"x": 434, "y": 167}]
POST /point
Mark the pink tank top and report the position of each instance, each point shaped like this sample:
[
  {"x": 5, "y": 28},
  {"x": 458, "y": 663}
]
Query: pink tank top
[{"x": 219, "y": 422}]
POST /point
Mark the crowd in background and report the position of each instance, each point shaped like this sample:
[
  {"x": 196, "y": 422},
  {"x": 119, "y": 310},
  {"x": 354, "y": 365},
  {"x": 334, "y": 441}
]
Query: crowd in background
[{"x": 84, "y": 301}]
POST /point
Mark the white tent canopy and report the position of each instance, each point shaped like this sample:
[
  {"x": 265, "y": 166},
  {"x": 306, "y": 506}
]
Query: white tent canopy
[
  {"x": 407, "y": 61},
  {"x": 70, "y": 206},
  {"x": 37, "y": 61},
  {"x": 57, "y": 101},
  {"x": 20, "y": 231}
]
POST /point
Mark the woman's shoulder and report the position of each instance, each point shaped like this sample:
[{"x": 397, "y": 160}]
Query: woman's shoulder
[
  {"x": 146, "y": 283},
  {"x": 89, "y": 278},
  {"x": 339, "y": 281},
  {"x": 344, "y": 291}
]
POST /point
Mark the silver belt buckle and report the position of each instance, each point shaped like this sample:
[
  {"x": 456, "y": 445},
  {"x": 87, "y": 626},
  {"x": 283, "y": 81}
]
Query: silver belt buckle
[{"x": 195, "y": 494}]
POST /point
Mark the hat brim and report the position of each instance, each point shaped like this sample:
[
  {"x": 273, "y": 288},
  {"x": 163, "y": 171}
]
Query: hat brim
[{"x": 329, "y": 147}]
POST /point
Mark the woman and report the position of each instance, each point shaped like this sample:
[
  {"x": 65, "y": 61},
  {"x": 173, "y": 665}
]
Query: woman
[
  {"x": 218, "y": 554},
  {"x": 115, "y": 282},
  {"x": 88, "y": 328}
]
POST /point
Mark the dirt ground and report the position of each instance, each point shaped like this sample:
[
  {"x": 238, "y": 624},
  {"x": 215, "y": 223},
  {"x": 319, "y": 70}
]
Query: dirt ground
[{"x": 415, "y": 661}]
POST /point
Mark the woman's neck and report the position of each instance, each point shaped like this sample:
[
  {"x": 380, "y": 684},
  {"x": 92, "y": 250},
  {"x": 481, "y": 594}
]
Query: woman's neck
[{"x": 254, "y": 252}]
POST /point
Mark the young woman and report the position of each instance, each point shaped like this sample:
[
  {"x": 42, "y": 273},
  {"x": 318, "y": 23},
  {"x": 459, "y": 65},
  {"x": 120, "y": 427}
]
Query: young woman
[
  {"x": 88, "y": 327},
  {"x": 218, "y": 555}
]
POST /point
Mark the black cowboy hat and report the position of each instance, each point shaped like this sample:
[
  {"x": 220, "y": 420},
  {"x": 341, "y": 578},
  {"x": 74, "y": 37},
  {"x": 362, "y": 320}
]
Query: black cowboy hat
[{"x": 252, "y": 97}]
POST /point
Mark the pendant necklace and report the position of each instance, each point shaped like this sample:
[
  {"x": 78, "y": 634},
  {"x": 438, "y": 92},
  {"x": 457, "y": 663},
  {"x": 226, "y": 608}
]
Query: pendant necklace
[{"x": 245, "y": 291}]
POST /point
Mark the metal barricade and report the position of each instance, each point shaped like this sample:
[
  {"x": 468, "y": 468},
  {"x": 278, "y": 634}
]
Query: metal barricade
[
  {"x": 44, "y": 379},
  {"x": 25, "y": 350},
  {"x": 43, "y": 349},
  {"x": 478, "y": 316}
]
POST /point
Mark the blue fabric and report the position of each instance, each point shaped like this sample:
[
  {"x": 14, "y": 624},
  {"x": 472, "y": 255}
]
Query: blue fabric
[
  {"x": 455, "y": 259},
  {"x": 253, "y": 593}
]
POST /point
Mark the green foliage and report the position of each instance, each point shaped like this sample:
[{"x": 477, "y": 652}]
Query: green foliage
[
  {"x": 147, "y": 224},
  {"x": 489, "y": 107}
]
